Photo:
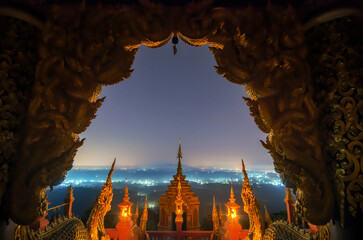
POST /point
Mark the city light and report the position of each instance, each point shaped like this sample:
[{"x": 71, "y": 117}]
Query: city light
[{"x": 154, "y": 177}]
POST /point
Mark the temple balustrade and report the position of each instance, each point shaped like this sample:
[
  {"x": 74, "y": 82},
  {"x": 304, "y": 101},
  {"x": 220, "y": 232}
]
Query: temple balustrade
[
  {"x": 169, "y": 235},
  {"x": 185, "y": 235}
]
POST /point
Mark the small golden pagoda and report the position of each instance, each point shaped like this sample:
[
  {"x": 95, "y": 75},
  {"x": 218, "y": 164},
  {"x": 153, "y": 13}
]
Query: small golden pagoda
[
  {"x": 167, "y": 201},
  {"x": 125, "y": 206},
  {"x": 232, "y": 207}
]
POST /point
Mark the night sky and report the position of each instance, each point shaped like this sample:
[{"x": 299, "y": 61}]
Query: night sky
[{"x": 168, "y": 97}]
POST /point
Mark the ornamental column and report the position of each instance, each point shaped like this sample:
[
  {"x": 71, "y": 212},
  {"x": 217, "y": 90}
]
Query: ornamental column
[
  {"x": 179, "y": 211},
  {"x": 290, "y": 207},
  {"x": 124, "y": 225}
]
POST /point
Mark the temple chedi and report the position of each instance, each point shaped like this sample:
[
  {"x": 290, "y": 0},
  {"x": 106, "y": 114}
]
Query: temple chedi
[{"x": 190, "y": 202}]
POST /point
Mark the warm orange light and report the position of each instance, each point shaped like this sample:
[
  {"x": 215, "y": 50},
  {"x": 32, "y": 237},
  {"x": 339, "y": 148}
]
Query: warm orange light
[
  {"x": 233, "y": 213},
  {"x": 124, "y": 212},
  {"x": 178, "y": 210}
]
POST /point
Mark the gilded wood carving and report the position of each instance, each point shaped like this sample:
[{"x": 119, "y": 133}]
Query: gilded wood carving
[{"x": 82, "y": 48}]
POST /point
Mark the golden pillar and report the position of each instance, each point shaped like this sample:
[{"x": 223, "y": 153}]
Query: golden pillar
[{"x": 179, "y": 211}]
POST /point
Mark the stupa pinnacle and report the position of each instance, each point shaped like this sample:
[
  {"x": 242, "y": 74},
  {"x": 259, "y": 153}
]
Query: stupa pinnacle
[{"x": 179, "y": 156}]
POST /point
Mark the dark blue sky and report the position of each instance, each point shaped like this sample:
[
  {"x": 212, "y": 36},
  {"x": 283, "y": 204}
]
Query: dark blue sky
[{"x": 168, "y": 97}]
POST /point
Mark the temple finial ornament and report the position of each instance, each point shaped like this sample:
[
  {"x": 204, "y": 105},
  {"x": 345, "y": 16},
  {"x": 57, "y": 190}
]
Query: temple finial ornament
[
  {"x": 267, "y": 216},
  {"x": 143, "y": 221},
  {"x": 126, "y": 194},
  {"x": 215, "y": 217},
  {"x": 179, "y": 208},
  {"x": 179, "y": 156},
  {"x": 231, "y": 198},
  {"x": 136, "y": 214},
  {"x": 221, "y": 215}
]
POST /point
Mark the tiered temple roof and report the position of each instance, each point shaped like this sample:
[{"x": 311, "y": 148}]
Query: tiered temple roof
[
  {"x": 186, "y": 192},
  {"x": 167, "y": 200}
]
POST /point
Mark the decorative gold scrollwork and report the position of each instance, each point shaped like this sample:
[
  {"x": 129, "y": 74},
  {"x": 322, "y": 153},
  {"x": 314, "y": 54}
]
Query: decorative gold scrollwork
[{"x": 338, "y": 78}]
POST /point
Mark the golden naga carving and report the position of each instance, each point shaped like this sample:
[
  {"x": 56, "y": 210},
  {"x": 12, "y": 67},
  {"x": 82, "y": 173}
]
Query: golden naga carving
[
  {"x": 283, "y": 230},
  {"x": 252, "y": 208},
  {"x": 337, "y": 72},
  {"x": 84, "y": 47},
  {"x": 66, "y": 227},
  {"x": 95, "y": 222},
  {"x": 18, "y": 59},
  {"x": 277, "y": 79},
  {"x": 71, "y": 228}
]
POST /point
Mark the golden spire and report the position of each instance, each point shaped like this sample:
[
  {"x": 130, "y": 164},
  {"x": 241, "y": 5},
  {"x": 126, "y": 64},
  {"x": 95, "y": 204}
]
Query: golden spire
[
  {"x": 136, "y": 214},
  {"x": 214, "y": 204},
  {"x": 143, "y": 221},
  {"x": 231, "y": 198},
  {"x": 215, "y": 217},
  {"x": 126, "y": 194},
  {"x": 180, "y": 156},
  {"x": 221, "y": 215},
  {"x": 145, "y": 206},
  {"x": 267, "y": 216}
]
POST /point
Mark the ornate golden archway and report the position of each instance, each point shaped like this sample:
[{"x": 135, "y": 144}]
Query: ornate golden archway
[{"x": 306, "y": 95}]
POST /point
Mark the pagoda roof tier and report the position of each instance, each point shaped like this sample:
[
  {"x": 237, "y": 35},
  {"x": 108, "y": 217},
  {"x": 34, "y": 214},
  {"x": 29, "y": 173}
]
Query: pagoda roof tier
[
  {"x": 182, "y": 178},
  {"x": 172, "y": 188},
  {"x": 170, "y": 195},
  {"x": 169, "y": 200},
  {"x": 182, "y": 181},
  {"x": 188, "y": 196}
]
